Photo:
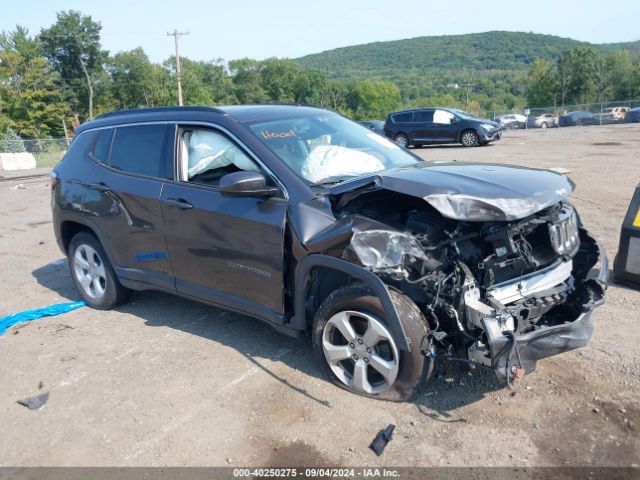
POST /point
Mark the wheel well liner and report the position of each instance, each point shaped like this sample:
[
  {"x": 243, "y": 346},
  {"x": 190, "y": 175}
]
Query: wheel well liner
[{"x": 326, "y": 263}]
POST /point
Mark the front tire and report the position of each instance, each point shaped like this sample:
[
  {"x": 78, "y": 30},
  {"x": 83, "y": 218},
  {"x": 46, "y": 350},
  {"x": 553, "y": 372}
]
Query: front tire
[
  {"x": 93, "y": 274},
  {"x": 469, "y": 138},
  {"x": 355, "y": 349},
  {"x": 544, "y": 125}
]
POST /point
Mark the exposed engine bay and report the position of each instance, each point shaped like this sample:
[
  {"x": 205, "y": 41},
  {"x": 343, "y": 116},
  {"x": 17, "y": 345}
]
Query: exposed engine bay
[{"x": 489, "y": 290}]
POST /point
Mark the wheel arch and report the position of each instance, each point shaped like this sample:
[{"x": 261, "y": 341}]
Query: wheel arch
[
  {"x": 72, "y": 225},
  {"x": 406, "y": 135},
  {"x": 322, "y": 274},
  {"x": 468, "y": 129}
]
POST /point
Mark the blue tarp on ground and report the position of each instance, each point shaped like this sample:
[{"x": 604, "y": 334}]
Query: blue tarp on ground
[{"x": 28, "y": 315}]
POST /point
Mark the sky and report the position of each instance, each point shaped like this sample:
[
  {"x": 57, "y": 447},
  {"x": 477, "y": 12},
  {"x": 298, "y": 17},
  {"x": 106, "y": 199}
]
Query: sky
[{"x": 288, "y": 28}]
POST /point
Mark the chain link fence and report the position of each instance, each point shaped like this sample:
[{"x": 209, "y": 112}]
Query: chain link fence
[{"x": 47, "y": 151}]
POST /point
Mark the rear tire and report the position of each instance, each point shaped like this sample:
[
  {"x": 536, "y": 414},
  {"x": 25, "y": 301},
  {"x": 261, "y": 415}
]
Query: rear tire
[
  {"x": 345, "y": 359},
  {"x": 93, "y": 274},
  {"x": 402, "y": 140}
]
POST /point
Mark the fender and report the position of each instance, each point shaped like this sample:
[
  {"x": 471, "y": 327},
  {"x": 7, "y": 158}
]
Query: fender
[{"x": 302, "y": 277}]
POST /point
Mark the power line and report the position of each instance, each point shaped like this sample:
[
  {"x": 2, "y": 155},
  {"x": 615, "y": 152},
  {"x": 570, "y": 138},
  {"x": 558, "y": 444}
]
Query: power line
[{"x": 176, "y": 35}]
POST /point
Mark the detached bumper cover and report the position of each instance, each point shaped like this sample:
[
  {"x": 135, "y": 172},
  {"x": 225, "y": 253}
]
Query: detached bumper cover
[{"x": 548, "y": 341}]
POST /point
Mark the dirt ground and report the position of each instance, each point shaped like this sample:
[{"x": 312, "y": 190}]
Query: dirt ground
[{"x": 163, "y": 381}]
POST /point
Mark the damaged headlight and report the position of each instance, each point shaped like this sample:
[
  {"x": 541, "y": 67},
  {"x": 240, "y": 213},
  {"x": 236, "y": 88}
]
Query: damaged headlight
[{"x": 384, "y": 250}]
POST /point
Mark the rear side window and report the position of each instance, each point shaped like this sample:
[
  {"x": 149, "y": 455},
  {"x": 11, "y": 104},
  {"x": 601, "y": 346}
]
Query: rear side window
[
  {"x": 402, "y": 117},
  {"x": 423, "y": 116},
  {"x": 100, "y": 151},
  {"x": 140, "y": 150}
]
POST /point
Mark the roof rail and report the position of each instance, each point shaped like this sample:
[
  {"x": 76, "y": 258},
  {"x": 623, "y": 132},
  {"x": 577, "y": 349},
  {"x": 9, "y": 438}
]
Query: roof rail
[{"x": 117, "y": 113}]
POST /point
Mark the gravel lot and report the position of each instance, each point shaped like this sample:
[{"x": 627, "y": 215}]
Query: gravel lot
[{"x": 164, "y": 381}]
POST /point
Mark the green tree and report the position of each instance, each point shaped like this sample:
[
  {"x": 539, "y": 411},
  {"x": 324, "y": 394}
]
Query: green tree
[
  {"x": 541, "y": 83},
  {"x": 374, "y": 99},
  {"x": 620, "y": 68},
  {"x": 11, "y": 142},
  {"x": 583, "y": 64},
  {"x": 278, "y": 77},
  {"x": 132, "y": 75},
  {"x": 247, "y": 85},
  {"x": 72, "y": 45},
  {"x": 30, "y": 91},
  {"x": 204, "y": 83}
]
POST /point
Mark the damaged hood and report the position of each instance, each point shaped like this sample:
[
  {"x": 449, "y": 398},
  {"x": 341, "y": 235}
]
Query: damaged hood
[{"x": 475, "y": 192}]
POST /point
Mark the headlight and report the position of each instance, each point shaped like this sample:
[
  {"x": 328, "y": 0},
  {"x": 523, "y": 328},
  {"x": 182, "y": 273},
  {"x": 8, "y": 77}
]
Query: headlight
[
  {"x": 486, "y": 127},
  {"x": 385, "y": 249}
]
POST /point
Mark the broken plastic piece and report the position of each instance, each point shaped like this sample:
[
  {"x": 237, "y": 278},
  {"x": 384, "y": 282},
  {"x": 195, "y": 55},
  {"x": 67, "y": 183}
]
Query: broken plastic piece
[
  {"x": 382, "y": 438},
  {"x": 519, "y": 374},
  {"x": 35, "y": 403}
]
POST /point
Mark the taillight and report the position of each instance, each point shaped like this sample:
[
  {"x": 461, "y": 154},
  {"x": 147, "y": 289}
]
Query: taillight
[{"x": 54, "y": 180}]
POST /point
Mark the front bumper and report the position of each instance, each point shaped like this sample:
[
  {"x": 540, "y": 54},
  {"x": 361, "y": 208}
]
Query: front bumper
[
  {"x": 547, "y": 341},
  {"x": 490, "y": 136}
]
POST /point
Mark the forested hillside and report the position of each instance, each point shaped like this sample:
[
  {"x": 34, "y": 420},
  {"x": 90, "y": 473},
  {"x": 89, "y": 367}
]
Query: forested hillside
[{"x": 512, "y": 51}]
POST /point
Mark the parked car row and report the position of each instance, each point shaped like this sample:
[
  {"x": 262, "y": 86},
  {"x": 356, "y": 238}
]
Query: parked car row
[
  {"x": 441, "y": 125},
  {"x": 511, "y": 121}
]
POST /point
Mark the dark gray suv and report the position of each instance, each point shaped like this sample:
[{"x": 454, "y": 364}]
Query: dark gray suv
[{"x": 310, "y": 222}]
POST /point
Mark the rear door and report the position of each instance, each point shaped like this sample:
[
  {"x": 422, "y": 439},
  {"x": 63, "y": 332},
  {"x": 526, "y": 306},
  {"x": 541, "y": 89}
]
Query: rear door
[
  {"x": 226, "y": 250},
  {"x": 423, "y": 131},
  {"x": 123, "y": 199}
]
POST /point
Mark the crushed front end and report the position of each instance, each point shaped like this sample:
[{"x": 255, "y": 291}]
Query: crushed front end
[{"x": 500, "y": 294}]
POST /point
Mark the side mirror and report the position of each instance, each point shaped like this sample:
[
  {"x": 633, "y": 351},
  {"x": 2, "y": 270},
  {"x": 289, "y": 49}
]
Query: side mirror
[{"x": 246, "y": 184}]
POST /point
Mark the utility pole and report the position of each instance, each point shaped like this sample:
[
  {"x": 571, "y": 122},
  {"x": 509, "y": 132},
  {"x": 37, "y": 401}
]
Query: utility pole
[
  {"x": 176, "y": 35},
  {"x": 467, "y": 86}
]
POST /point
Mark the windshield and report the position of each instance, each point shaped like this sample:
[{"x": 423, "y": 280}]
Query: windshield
[
  {"x": 462, "y": 113},
  {"x": 328, "y": 148}
]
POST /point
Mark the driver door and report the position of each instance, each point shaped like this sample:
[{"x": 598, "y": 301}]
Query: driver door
[
  {"x": 444, "y": 124},
  {"x": 226, "y": 250}
]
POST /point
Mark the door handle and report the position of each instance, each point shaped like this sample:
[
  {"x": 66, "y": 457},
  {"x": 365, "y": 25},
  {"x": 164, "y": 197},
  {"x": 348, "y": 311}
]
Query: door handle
[
  {"x": 100, "y": 187},
  {"x": 179, "y": 203}
]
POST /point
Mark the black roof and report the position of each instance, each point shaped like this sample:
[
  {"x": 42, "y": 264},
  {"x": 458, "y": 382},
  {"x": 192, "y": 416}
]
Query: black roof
[{"x": 239, "y": 113}]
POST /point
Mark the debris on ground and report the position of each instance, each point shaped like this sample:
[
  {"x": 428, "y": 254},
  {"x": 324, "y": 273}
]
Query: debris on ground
[
  {"x": 35, "y": 403},
  {"x": 382, "y": 438},
  {"x": 51, "y": 310}
]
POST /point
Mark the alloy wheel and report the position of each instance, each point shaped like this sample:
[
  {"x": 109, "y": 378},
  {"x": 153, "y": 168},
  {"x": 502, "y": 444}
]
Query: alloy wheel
[
  {"x": 89, "y": 271},
  {"x": 402, "y": 140},
  {"x": 469, "y": 139},
  {"x": 360, "y": 351}
]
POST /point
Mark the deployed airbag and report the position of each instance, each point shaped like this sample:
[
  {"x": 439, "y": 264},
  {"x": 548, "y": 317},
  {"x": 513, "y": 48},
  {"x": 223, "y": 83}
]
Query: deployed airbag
[
  {"x": 209, "y": 151},
  {"x": 327, "y": 161}
]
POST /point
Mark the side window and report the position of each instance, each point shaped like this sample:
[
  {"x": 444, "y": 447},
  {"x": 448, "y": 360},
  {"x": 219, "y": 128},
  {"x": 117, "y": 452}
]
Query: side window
[
  {"x": 425, "y": 116},
  {"x": 443, "y": 117},
  {"x": 207, "y": 155},
  {"x": 100, "y": 151},
  {"x": 140, "y": 149},
  {"x": 402, "y": 118}
]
